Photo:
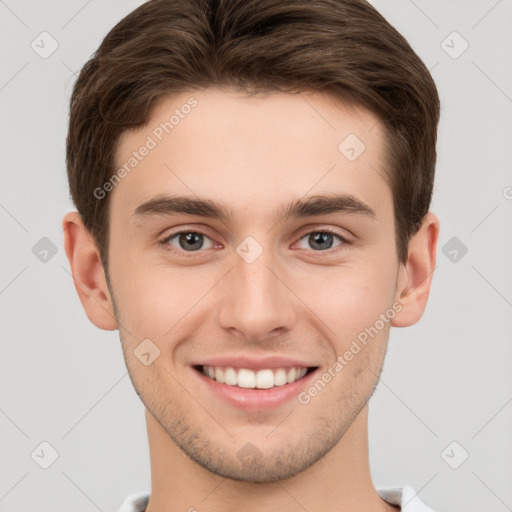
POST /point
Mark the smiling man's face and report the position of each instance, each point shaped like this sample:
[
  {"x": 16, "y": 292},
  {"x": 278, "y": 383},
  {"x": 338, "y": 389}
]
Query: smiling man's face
[{"x": 253, "y": 283}]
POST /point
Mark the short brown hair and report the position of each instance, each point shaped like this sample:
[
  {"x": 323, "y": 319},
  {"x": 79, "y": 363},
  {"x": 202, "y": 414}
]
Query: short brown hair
[{"x": 343, "y": 47}]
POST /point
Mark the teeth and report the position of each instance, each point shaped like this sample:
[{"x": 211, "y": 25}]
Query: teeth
[
  {"x": 219, "y": 375},
  {"x": 230, "y": 377},
  {"x": 262, "y": 379},
  {"x": 280, "y": 377},
  {"x": 265, "y": 379},
  {"x": 246, "y": 378},
  {"x": 291, "y": 375}
]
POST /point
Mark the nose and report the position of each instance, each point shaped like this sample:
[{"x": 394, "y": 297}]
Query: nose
[{"x": 256, "y": 301}]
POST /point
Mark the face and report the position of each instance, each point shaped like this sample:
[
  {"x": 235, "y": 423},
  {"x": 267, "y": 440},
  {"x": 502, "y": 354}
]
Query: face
[{"x": 253, "y": 242}]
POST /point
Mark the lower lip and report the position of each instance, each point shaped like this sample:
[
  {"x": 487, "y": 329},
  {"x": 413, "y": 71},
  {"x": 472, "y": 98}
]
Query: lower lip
[{"x": 252, "y": 399}]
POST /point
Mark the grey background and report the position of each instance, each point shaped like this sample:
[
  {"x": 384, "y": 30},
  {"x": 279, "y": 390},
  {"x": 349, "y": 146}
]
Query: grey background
[{"x": 446, "y": 379}]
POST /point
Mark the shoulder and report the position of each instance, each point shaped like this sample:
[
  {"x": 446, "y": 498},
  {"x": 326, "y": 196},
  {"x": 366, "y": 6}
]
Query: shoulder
[
  {"x": 405, "y": 497},
  {"x": 136, "y": 502}
]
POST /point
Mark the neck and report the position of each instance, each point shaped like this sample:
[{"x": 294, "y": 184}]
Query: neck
[{"x": 338, "y": 482}]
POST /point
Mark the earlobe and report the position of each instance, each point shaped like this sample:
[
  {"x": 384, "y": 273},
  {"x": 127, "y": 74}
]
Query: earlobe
[
  {"x": 88, "y": 273},
  {"x": 416, "y": 275}
]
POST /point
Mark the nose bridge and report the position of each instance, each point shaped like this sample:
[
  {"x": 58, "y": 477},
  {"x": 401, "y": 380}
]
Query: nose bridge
[{"x": 255, "y": 301}]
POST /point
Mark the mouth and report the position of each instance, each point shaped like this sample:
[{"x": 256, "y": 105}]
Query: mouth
[
  {"x": 246, "y": 378},
  {"x": 253, "y": 390}
]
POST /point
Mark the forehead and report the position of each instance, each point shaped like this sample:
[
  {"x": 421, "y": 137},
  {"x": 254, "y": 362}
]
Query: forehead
[{"x": 251, "y": 151}]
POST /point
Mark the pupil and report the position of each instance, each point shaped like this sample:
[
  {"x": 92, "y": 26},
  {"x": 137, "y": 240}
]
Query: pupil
[
  {"x": 317, "y": 239},
  {"x": 192, "y": 241}
]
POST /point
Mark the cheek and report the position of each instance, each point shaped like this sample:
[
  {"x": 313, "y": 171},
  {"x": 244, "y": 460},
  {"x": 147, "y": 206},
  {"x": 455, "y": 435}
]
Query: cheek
[
  {"x": 350, "y": 299},
  {"x": 154, "y": 299}
]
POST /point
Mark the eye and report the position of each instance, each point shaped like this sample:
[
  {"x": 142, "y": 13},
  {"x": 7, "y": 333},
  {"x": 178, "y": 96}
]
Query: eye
[
  {"x": 189, "y": 241},
  {"x": 193, "y": 241},
  {"x": 321, "y": 240}
]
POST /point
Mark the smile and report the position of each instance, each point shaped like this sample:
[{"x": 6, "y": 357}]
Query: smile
[
  {"x": 251, "y": 383},
  {"x": 262, "y": 379}
]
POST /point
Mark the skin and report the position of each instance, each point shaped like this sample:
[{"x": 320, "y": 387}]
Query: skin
[{"x": 254, "y": 155}]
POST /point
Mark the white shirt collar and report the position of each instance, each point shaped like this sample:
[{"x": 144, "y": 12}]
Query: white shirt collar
[{"x": 405, "y": 497}]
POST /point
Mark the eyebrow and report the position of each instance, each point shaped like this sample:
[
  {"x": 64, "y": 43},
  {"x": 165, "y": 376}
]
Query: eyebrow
[{"x": 164, "y": 205}]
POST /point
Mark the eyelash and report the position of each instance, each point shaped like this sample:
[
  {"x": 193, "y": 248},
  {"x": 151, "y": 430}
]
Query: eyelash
[{"x": 189, "y": 254}]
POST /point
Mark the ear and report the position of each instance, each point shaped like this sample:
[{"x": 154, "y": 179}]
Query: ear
[
  {"x": 88, "y": 273},
  {"x": 415, "y": 277}
]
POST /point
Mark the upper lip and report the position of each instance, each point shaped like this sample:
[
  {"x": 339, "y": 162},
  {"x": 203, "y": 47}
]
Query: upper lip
[{"x": 254, "y": 363}]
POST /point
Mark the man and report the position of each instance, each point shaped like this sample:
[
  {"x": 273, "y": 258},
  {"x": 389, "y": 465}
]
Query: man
[{"x": 253, "y": 182}]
